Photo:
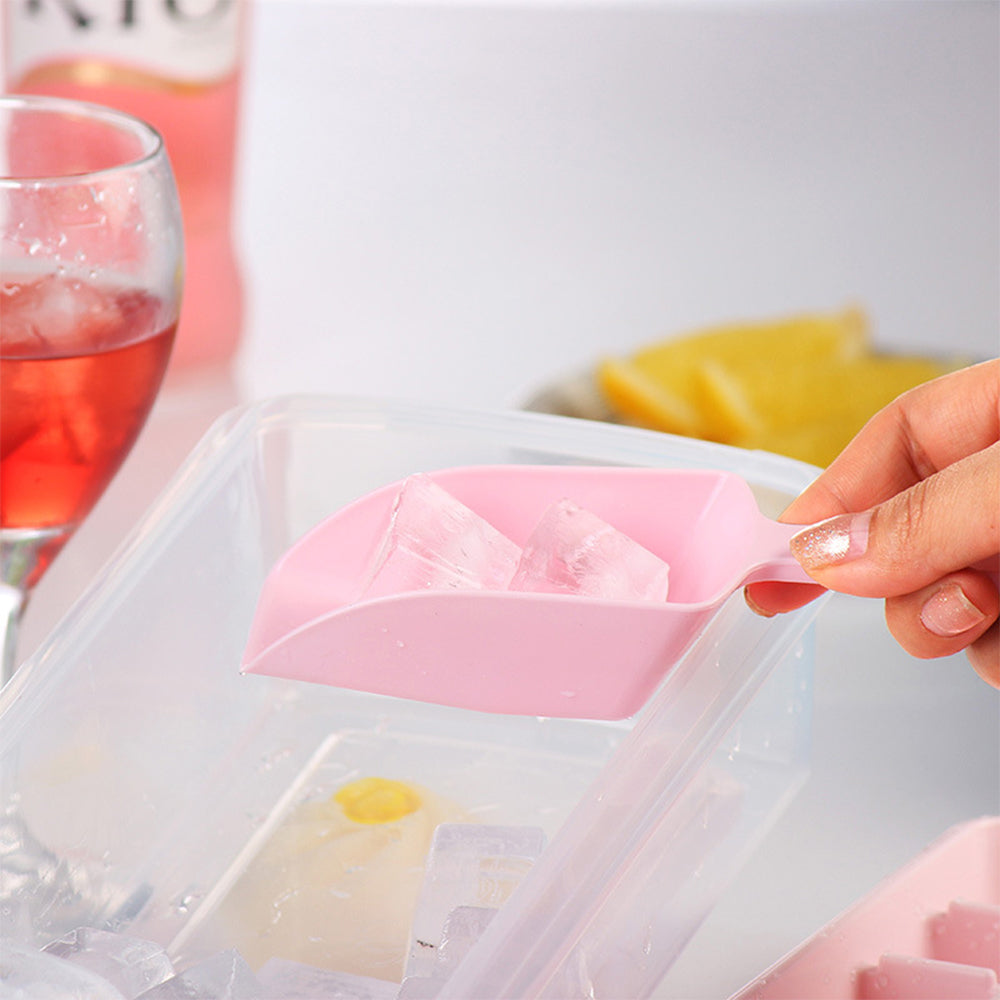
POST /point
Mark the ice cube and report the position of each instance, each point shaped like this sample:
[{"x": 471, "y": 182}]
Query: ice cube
[
  {"x": 463, "y": 927},
  {"x": 572, "y": 551},
  {"x": 57, "y": 314},
  {"x": 29, "y": 974},
  {"x": 38, "y": 885},
  {"x": 467, "y": 865},
  {"x": 283, "y": 980},
  {"x": 130, "y": 964},
  {"x": 224, "y": 976},
  {"x": 434, "y": 542},
  {"x": 420, "y": 988}
]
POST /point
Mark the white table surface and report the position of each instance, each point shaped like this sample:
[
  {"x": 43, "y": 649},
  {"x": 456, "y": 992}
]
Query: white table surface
[{"x": 459, "y": 203}]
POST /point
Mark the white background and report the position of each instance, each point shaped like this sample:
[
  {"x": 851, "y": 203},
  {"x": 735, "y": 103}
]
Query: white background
[
  {"x": 459, "y": 202},
  {"x": 463, "y": 202}
]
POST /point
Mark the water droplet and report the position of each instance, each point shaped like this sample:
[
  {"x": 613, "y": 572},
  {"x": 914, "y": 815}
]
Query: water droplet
[{"x": 270, "y": 760}]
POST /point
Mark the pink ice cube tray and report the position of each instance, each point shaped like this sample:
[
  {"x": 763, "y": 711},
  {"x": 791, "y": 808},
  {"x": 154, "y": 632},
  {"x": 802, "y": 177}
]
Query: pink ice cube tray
[{"x": 931, "y": 931}]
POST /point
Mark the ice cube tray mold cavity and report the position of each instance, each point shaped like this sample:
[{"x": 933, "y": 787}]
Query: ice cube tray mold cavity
[{"x": 928, "y": 932}]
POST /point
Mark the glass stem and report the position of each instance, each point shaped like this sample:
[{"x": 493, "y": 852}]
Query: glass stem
[
  {"x": 25, "y": 553},
  {"x": 12, "y": 602}
]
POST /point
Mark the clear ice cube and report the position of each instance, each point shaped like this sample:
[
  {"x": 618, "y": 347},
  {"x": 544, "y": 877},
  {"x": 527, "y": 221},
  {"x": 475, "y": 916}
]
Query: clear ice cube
[
  {"x": 463, "y": 927},
  {"x": 283, "y": 980},
  {"x": 36, "y": 883},
  {"x": 42, "y": 314},
  {"x": 468, "y": 865},
  {"x": 434, "y": 542},
  {"x": 130, "y": 964},
  {"x": 223, "y": 976},
  {"x": 573, "y": 551},
  {"x": 29, "y": 974},
  {"x": 420, "y": 988}
]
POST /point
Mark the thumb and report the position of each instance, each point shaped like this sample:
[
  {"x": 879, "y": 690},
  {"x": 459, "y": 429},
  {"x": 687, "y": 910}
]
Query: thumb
[{"x": 946, "y": 522}]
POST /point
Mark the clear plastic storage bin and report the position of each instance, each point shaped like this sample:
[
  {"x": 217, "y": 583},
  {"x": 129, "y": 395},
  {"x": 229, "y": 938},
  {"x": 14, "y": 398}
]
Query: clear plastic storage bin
[{"x": 143, "y": 777}]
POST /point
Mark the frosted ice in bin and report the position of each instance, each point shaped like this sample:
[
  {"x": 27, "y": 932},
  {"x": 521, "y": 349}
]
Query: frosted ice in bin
[
  {"x": 467, "y": 865},
  {"x": 573, "y": 551},
  {"x": 131, "y": 965},
  {"x": 223, "y": 976},
  {"x": 462, "y": 929},
  {"x": 29, "y": 974},
  {"x": 283, "y": 980},
  {"x": 434, "y": 542}
]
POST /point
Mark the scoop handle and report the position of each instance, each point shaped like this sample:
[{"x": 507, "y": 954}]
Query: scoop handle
[{"x": 771, "y": 557}]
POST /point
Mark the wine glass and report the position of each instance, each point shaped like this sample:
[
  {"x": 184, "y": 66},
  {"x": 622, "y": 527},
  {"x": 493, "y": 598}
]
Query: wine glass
[{"x": 91, "y": 262}]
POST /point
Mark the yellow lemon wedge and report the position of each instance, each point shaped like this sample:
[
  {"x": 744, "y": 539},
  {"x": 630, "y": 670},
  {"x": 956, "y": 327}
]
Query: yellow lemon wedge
[
  {"x": 661, "y": 386},
  {"x": 769, "y": 400},
  {"x": 801, "y": 386}
]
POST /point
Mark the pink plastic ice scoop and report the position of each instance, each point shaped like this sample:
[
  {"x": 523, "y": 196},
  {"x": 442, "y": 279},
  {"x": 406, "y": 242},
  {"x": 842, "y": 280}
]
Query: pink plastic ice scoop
[{"x": 548, "y": 654}]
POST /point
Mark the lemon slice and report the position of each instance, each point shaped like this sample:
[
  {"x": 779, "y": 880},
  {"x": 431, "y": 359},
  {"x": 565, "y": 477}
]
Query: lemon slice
[
  {"x": 662, "y": 386},
  {"x": 816, "y": 443},
  {"x": 745, "y": 401},
  {"x": 641, "y": 399}
]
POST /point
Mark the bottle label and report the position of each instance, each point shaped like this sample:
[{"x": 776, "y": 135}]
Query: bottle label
[{"x": 189, "y": 41}]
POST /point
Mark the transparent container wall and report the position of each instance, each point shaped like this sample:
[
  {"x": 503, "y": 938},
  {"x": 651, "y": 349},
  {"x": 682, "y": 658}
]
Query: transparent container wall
[
  {"x": 141, "y": 773},
  {"x": 700, "y": 779}
]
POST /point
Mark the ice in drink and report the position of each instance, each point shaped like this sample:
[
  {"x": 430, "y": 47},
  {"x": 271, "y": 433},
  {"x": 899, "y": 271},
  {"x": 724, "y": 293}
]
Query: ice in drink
[{"x": 80, "y": 367}]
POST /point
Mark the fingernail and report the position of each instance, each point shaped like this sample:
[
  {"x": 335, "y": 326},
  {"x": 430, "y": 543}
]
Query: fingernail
[
  {"x": 754, "y": 606},
  {"x": 949, "y": 612},
  {"x": 836, "y": 540}
]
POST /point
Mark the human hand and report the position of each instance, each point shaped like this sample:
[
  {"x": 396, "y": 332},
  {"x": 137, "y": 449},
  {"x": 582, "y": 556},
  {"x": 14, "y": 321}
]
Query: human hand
[{"x": 910, "y": 512}]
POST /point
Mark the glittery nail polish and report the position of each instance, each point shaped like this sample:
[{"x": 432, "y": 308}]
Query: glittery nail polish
[
  {"x": 949, "y": 612},
  {"x": 836, "y": 540}
]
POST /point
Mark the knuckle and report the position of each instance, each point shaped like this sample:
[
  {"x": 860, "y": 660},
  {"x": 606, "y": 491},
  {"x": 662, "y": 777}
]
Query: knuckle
[{"x": 902, "y": 533}]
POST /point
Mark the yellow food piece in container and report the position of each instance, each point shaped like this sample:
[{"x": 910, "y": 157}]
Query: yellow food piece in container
[
  {"x": 801, "y": 387},
  {"x": 817, "y": 443},
  {"x": 377, "y": 800},
  {"x": 640, "y": 399},
  {"x": 747, "y": 401},
  {"x": 660, "y": 386},
  {"x": 336, "y": 883}
]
